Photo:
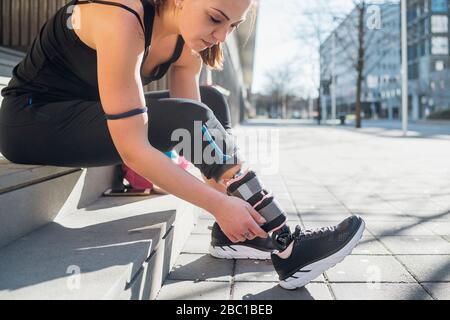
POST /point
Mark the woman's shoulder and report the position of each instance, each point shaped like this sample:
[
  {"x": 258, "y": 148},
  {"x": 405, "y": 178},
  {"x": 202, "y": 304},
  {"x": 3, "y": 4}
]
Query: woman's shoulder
[
  {"x": 114, "y": 11},
  {"x": 104, "y": 19}
]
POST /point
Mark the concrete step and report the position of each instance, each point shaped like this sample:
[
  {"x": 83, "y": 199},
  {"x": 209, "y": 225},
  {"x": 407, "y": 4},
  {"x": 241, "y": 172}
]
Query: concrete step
[
  {"x": 115, "y": 248},
  {"x": 60, "y": 239},
  {"x": 33, "y": 195},
  {"x": 8, "y": 60},
  {"x": 3, "y": 82}
]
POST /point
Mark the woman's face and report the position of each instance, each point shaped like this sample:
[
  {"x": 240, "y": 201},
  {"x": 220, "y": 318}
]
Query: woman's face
[{"x": 203, "y": 23}]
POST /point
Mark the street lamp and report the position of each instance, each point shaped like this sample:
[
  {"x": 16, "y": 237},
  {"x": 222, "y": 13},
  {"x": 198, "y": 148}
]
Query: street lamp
[
  {"x": 333, "y": 78},
  {"x": 404, "y": 67}
]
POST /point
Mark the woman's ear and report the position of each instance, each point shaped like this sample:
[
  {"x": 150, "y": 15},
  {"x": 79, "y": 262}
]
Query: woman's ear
[{"x": 179, "y": 4}]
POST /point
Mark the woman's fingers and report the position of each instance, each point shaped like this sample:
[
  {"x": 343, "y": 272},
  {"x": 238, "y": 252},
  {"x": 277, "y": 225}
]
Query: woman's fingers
[
  {"x": 250, "y": 235},
  {"x": 256, "y": 216},
  {"x": 254, "y": 227},
  {"x": 235, "y": 238}
]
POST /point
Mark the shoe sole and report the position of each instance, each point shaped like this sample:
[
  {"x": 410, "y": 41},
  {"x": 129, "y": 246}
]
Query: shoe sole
[
  {"x": 308, "y": 273},
  {"x": 238, "y": 252}
]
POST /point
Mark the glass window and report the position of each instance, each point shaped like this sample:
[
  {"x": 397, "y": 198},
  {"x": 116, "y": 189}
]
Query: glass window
[
  {"x": 439, "y": 45},
  {"x": 439, "y": 65},
  {"x": 439, "y": 24},
  {"x": 439, "y": 6}
]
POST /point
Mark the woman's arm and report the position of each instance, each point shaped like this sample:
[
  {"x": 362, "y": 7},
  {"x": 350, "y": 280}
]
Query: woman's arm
[
  {"x": 184, "y": 76},
  {"x": 119, "y": 57}
]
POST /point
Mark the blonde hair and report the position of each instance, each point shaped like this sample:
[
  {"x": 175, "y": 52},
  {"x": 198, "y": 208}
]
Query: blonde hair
[{"x": 212, "y": 57}]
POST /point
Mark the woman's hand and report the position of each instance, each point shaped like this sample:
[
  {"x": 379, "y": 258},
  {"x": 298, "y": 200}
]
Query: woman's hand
[{"x": 238, "y": 219}]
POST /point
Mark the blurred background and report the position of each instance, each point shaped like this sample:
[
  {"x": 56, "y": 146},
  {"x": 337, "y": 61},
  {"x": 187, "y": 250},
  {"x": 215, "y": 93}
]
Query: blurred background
[{"x": 337, "y": 60}]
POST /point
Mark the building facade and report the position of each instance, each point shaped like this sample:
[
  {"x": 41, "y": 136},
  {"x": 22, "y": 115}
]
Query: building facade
[
  {"x": 428, "y": 56},
  {"x": 381, "y": 87}
]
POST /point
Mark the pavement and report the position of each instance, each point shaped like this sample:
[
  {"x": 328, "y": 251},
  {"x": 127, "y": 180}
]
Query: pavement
[{"x": 321, "y": 175}]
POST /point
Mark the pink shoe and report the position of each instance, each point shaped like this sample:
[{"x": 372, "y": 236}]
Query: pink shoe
[{"x": 138, "y": 182}]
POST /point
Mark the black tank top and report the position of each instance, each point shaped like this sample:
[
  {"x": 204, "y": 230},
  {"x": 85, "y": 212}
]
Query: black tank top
[{"x": 59, "y": 66}]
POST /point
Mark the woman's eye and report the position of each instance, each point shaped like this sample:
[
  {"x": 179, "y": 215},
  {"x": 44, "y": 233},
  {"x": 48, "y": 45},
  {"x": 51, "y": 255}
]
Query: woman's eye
[{"x": 215, "y": 20}]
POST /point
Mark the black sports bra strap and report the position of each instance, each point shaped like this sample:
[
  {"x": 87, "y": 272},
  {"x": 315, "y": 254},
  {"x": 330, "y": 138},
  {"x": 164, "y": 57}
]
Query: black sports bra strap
[
  {"x": 113, "y": 4},
  {"x": 178, "y": 49}
]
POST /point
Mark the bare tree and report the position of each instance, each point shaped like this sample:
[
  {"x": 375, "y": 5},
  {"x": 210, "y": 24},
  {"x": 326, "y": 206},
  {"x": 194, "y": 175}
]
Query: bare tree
[
  {"x": 361, "y": 8},
  {"x": 363, "y": 44},
  {"x": 353, "y": 44},
  {"x": 280, "y": 85},
  {"x": 312, "y": 32}
]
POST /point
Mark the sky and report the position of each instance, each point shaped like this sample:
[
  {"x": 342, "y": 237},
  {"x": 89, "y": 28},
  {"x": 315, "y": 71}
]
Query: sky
[{"x": 281, "y": 26}]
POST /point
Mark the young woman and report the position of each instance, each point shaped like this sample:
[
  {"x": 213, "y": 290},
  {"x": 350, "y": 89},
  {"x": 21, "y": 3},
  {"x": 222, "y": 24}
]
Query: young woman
[{"x": 77, "y": 100}]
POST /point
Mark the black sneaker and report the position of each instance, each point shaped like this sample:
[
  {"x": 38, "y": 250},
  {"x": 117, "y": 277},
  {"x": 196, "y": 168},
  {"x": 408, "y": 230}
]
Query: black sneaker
[
  {"x": 223, "y": 248},
  {"x": 314, "y": 251}
]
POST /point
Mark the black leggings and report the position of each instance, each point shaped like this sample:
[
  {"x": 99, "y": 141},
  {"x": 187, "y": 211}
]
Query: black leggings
[{"x": 75, "y": 134}]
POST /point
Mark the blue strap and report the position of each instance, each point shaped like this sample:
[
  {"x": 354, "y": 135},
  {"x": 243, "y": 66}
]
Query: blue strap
[{"x": 126, "y": 114}]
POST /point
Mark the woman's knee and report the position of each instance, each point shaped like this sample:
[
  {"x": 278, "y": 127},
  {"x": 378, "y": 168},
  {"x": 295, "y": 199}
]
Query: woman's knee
[
  {"x": 213, "y": 97},
  {"x": 217, "y": 102},
  {"x": 212, "y": 92},
  {"x": 194, "y": 110}
]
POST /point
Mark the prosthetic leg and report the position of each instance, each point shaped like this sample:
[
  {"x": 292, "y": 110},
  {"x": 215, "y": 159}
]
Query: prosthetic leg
[
  {"x": 304, "y": 254},
  {"x": 247, "y": 186}
]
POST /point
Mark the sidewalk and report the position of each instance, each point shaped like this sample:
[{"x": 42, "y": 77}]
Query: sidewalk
[{"x": 400, "y": 186}]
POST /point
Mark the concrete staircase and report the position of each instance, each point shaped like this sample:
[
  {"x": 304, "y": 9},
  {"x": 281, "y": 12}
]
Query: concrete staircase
[{"x": 61, "y": 239}]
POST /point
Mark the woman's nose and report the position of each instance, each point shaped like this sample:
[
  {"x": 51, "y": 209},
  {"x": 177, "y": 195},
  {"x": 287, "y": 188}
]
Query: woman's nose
[{"x": 221, "y": 35}]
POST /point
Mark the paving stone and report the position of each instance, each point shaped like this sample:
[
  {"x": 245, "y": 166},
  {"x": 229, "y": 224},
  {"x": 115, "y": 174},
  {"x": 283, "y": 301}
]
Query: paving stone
[
  {"x": 317, "y": 204},
  {"x": 416, "y": 245},
  {"x": 332, "y": 215},
  {"x": 440, "y": 215},
  {"x": 369, "y": 269},
  {"x": 272, "y": 291},
  {"x": 375, "y": 209},
  {"x": 428, "y": 268},
  {"x": 403, "y": 228},
  {"x": 393, "y": 217},
  {"x": 307, "y": 190},
  {"x": 293, "y": 217},
  {"x": 442, "y": 200},
  {"x": 282, "y": 194},
  {"x": 349, "y": 201},
  {"x": 201, "y": 267},
  {"x": 440, "y": 291},
  {"x": 355, "y": 197},
  {"x": 441, "y": 228},
  {"x": 369, "y": 245},
  {"x": 379, "y": 291},
  {"x": 415, "y": 205},
  {"x": 192, "y": 290},
  {"x": 259, "y": 271}
]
